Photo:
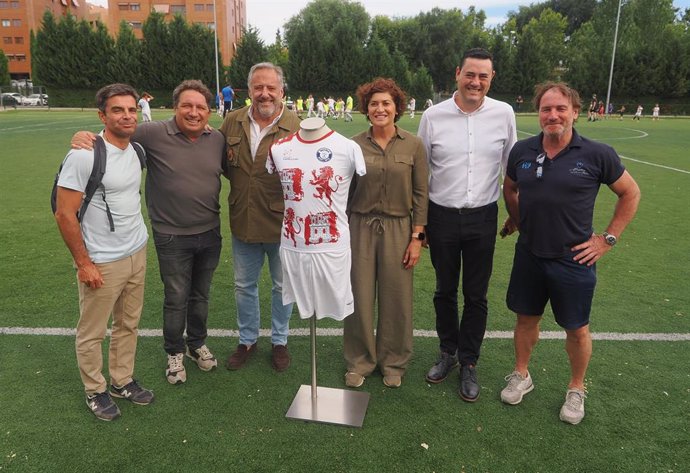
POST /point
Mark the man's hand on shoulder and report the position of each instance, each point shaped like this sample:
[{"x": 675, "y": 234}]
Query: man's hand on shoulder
[{"x": 83, "y": 140}]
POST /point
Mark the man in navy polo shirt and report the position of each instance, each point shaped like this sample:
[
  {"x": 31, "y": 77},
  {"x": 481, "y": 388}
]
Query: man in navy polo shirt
[{"x": 550, "y": 187}]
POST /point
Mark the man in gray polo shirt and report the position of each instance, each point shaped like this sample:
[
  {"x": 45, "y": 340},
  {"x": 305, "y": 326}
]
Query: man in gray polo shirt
[{"x": 184, "y": 161}]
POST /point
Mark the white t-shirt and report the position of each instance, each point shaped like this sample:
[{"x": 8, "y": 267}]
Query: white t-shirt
[
  {"x": 316, "y": 177},
  {"x": 122, "y": 182},
  {"x": 145, "y": 107}
]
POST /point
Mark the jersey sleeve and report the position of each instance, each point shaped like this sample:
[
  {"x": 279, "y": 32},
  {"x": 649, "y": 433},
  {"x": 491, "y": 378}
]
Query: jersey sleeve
[
  {"x": 76, "y": 170},
  {"x": 358, "y": 159}
]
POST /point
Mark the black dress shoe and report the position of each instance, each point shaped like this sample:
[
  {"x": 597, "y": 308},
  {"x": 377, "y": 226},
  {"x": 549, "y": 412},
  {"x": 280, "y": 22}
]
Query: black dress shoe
[
  {"x": 469, "y": 386},
  {"x": 442, "y": 368}
]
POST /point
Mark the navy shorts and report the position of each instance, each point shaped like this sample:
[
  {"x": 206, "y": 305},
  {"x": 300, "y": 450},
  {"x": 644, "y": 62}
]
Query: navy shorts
[{"x": 567, "y": 284}]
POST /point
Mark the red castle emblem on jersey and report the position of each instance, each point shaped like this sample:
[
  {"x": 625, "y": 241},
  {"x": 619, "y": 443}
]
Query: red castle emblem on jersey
[
  {"x": 289, "y": 228},
  {"x": 291, "y": 180},
  {"x": 321, "y": 228},
  {"x": 322, "y": 183}
]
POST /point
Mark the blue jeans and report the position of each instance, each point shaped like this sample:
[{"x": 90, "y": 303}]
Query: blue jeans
[
  {"x": 187, "y": 263},
  {"x": 248, "y": 260}
]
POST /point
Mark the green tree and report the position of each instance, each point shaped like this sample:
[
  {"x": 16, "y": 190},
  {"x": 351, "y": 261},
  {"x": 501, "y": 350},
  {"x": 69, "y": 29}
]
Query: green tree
[
  {"x": 277, "y": 53},
  {"x": 422, "y": 86},
  {"x": 326, "y": 42},
  {"x": 125, "y": 65},
  {"x": 577, "y": 12},
  {"x": 250, "y": 51},
  {"x": 58, "y": 57},
  {"x": 541, "y": 50},
  {"x": 4, "y": 69},
  {"x": 377, "y": 60}
]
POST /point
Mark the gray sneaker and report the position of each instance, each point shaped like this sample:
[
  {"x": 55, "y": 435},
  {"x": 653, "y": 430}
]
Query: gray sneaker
[
  {"x": 175, "y": 372},
  {"x": 573, "y": 410},
  {"x": 203, "y": 357},
  {"x": 517, "y": 387},
  {"x": 102, "y": 406},
  {"x": 442, "y": 368},
  {"x": 132, "y": 391}
]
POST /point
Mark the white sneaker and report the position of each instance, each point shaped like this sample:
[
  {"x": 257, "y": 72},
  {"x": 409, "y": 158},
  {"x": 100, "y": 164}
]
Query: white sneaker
[
  {"x": 203, "y": 357},
  {"x": 175, "y": 372},
  {"x": 573, "y": 410},
  {"x": 518, "y": 386}
]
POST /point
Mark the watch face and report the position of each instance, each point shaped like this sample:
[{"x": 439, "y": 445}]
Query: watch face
[
  {"x": 610, "y": 239},
  {"x": 421, "y": 236}
]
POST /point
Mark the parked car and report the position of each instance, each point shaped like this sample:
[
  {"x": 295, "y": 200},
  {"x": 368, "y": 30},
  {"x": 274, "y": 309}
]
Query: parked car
[
  {"x": 9, "y": 100},
  {"x": 21, "y": 100},
  {"x": 37, "y": 99}
]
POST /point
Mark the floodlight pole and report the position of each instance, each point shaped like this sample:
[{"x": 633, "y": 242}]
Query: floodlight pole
[
  {"x": 613, "y": 57},
  {"x": 215, "y": 45}
]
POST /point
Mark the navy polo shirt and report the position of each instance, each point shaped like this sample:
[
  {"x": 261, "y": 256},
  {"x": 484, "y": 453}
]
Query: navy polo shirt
[{"x": 556, "y": 210}]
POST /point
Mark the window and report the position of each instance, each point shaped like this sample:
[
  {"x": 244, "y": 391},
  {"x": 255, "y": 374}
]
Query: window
[
  {"x": 209, "y": 7},
  {"x": 211, "y": 26},
  {"x": 135, "y": 6},
  {"x": 174, "y": 9},
  {"x": 7, "y": 39},
  {"x": 21, "y": 57},
  {"x": 18, "y": 40},
  {"x": 198, "y": 7},
  {"x": 6, "y": 23},
  {"x": 4, "y": 5},
  {"x": 136, "y": 25},
  {"x": 161, "y": 8},
  {"x": 16, "y": 22},
  {"x": 123, "y": 6},
  {"x": 14, "y": 4}
]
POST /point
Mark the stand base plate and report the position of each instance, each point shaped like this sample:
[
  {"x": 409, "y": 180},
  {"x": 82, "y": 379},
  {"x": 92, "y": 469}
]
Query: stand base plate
[{"x": 331, "y": 406}]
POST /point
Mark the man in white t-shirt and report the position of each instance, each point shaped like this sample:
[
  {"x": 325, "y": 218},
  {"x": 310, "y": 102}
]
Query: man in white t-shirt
[
  {"x": 315, "y": 172},
  {"x": 110, "y": 260},
  {"x": 145, "y": 107}
]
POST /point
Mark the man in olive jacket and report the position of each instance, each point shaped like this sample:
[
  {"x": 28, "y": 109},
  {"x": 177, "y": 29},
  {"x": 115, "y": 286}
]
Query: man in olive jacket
[{"x": 256, "y": 210}]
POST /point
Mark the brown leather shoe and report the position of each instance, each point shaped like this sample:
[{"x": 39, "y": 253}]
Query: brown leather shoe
[
  {"x": 240, "y": 357},
  {"x": 280, "y": 358}
]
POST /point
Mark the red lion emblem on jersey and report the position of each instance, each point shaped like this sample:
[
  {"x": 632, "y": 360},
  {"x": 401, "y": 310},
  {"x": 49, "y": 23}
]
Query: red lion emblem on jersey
[
  {"x": 322, "y": 183},
  {"x": 289, "y": 225}
]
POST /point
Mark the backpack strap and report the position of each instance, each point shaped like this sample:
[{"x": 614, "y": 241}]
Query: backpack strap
[
  {"x": 95, "y": 179},
  {"x": 141, "y": 154}
]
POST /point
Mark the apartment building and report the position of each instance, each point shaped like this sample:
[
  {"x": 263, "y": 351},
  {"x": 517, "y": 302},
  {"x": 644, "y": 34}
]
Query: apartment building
[
  {"x": 231, "y": 16},
  {"x": 18, "y": 18}
]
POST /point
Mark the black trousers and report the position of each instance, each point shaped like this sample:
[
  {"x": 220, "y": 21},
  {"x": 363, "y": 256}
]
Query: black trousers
[{"x": 462, "y": 242}]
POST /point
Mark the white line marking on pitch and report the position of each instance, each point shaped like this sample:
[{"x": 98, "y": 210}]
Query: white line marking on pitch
[
  {"x": 643, "y": 135},
  {"x": 338, "y": 332}
]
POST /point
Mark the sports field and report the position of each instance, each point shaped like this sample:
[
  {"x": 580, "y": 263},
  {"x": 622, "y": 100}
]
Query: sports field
[{"x": 638, "y": 409}]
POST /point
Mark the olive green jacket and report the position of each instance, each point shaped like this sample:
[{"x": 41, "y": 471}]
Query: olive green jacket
[{"x": 256, "y": 197}]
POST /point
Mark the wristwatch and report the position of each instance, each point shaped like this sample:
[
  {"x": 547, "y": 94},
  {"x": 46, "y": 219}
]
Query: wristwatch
[
  {"x": 419, "y": 236},
  {"x": 610, "y": 240}
]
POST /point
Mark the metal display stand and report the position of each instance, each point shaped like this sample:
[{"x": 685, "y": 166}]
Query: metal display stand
[{"x": 327, "y": 405}]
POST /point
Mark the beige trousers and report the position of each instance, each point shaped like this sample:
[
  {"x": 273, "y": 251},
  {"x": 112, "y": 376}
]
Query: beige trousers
[
  {"x": 379, "y": 281},
  {"x": 121, "y": 295}
]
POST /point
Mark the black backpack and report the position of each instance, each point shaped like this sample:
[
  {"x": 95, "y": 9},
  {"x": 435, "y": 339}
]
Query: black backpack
[{"x": 97, "y": 172}]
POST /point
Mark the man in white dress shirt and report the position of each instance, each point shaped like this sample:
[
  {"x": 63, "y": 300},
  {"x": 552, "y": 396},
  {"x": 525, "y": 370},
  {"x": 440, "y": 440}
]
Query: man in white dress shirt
[{"x": 467, "y": 139}]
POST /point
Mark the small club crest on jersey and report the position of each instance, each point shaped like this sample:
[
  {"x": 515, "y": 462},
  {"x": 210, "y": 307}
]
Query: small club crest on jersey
[{"x": 324, "y": 155}]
